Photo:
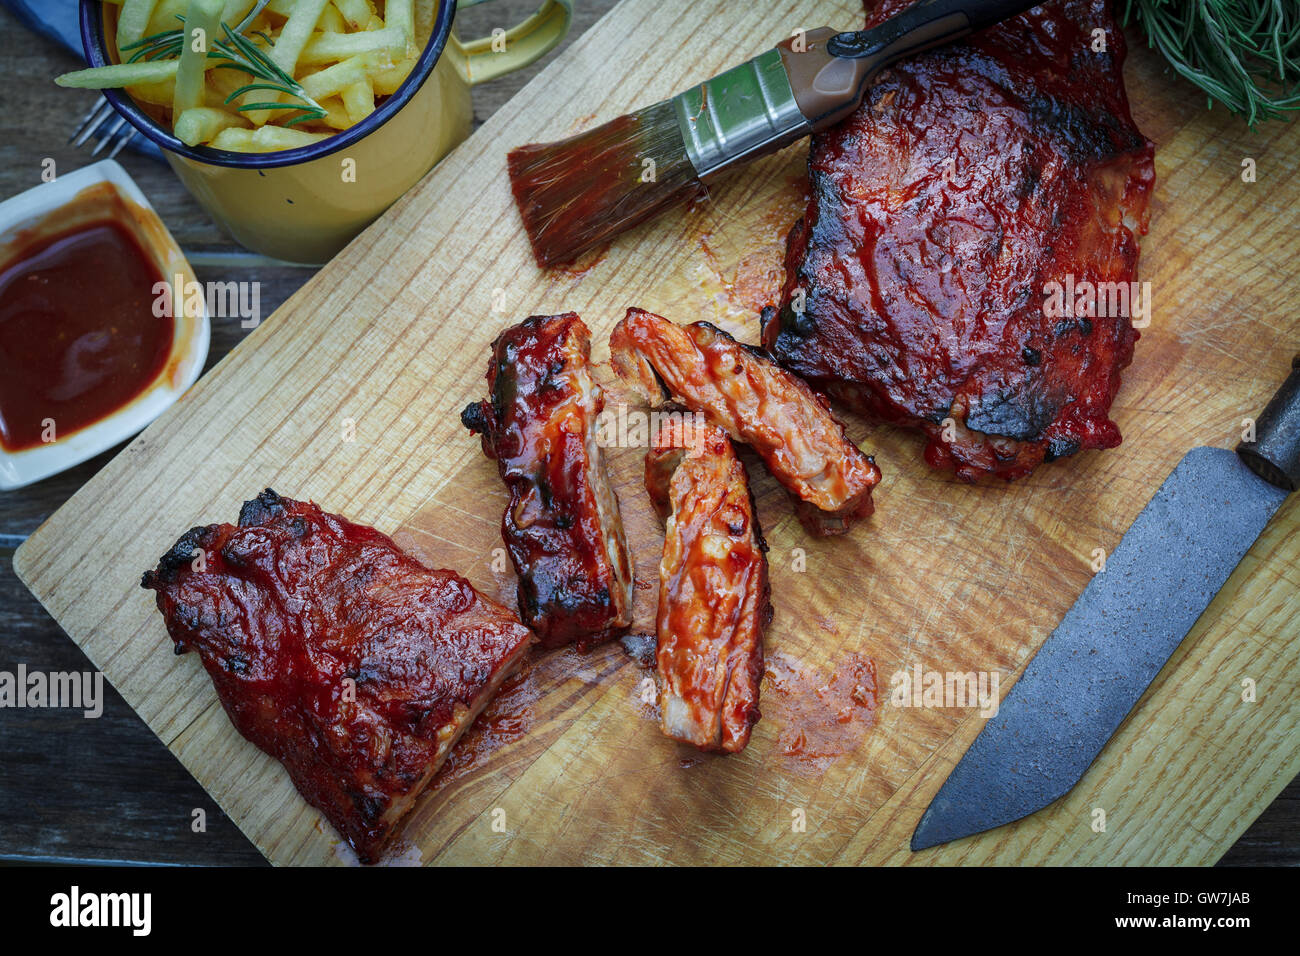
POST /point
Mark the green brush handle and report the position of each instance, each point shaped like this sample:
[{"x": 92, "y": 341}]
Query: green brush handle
[{"x": 748, "y": 111}]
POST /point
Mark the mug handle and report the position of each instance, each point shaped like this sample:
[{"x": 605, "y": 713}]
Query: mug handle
[{"x": 477, "y": 61}]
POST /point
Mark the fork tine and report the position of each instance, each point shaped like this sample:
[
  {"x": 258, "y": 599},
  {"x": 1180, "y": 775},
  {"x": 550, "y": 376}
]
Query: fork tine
[
  {"x": 88, "y": 122},
  {"x": 90, "y": 115},
  {"x": 123, "y": 139},
  {"x": 94, "y": 119},
  {"x": 112, "y": 131}
]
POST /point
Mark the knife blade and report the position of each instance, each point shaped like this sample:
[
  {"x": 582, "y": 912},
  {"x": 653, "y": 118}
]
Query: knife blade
[{"x": 1131, "y": 617}]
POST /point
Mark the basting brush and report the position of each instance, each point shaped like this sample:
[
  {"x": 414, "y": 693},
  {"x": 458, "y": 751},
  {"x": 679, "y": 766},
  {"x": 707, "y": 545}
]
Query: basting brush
[{"x": 581, "y": 191}]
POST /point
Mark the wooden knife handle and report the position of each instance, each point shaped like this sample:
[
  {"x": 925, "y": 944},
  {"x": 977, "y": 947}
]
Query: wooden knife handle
[{"x": 1274, "y": 455}]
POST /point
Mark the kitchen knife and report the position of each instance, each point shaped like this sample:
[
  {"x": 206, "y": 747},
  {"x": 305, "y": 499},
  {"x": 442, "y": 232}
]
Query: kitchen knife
[{"x": 1132, "y": 615}]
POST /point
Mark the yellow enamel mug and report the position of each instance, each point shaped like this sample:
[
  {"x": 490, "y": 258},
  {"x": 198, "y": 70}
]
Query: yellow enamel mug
[{"x": 304, "y": 205}]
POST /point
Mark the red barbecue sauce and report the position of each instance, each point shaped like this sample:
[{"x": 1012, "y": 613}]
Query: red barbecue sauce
[{"x": 78, "y": 334}]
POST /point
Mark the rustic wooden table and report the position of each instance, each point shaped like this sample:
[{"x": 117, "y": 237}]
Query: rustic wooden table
[{"x": 80, "y": 790}]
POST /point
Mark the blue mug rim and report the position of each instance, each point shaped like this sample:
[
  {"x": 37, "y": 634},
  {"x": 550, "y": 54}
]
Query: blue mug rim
[{"x": 96, "y": 50}]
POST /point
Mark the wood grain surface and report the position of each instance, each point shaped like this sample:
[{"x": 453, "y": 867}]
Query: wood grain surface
[
  {"x": 119, "y": 794},
  {"x": 392, "y": 337}
]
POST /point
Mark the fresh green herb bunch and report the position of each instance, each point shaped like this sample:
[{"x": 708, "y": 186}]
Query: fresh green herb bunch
[{"x": 1243, "y": 53}]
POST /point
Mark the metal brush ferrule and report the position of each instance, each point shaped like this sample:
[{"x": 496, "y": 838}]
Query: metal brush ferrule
[{"x": 746, "y": 112}]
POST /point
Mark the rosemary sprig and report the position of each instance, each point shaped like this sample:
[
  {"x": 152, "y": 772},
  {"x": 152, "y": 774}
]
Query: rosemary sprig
[
  {"x": 159, "y": 46},
  {"x": 237, "y": 52},
  {"x": 1243, "y": 53},
  {"x": 243, "y": 54}
]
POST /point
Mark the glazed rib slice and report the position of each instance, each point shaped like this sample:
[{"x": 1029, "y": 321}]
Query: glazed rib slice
[
  {"x": 919, "y": 284},
  {"x": 345, "y": 659},
  {"x": 562, "y": 526},
  {"x": 741, "y": 390},
  {"x": 713, "y": 589}
]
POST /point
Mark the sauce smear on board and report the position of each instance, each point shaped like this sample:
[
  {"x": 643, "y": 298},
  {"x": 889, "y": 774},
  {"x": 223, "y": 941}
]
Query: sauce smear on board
[{"x": 78, "y": 335}]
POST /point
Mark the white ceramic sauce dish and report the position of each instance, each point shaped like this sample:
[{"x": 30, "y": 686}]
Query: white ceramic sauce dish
[{"x": 97, "y": 193}]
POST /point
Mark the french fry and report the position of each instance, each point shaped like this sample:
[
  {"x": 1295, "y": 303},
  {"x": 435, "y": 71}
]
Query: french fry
[
  {"x": 236, "y": 140},
  {"x": 387, "y": 80},
  {"x": 336, "y": 114},
  {"x": 265, "y": 139},
  {"x": 401, "y": 14},
  {"x": 222, "y": 83},
  {"x": 235, "y": 11},
  {"x": 295, "y": 33},
  {"x": 359, "y": 101},
  {"x": 202, "y": 21},
  {"x": 333, "y": 47},
  {"x": 331, "y": 21},
  {"x": 164, "y": 16},
  {"x": 424, "y": 17},
  {"x": 132, "y": 21},
  {"x": 156, "y": 94},
  {"x": 119, "y": 74},
  {"x": 355, "y": 12},
  {"x": 334, "y": 79},
  {"x": 203, "y": 123}
]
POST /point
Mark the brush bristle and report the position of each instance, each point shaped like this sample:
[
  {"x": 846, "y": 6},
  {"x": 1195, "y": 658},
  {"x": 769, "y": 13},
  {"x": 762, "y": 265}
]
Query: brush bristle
[{"x": 582, "y": 191}]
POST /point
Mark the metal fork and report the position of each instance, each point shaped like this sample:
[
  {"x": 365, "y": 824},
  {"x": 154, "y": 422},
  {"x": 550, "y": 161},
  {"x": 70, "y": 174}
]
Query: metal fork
[{"x": 115, "y": 133}]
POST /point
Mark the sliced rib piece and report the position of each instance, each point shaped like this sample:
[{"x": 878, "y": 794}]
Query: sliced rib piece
[
  {"x": 971, "y": 178},
  {"x": 562, "y": 527},
  {"x": 741, "y": 390},
  {"x": 713, "y": 589},
  {"x": 345, "y": 659}
]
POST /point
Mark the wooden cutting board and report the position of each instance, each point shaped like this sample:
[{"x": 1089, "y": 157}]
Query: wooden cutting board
[{"x": 389, "y": 341}]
